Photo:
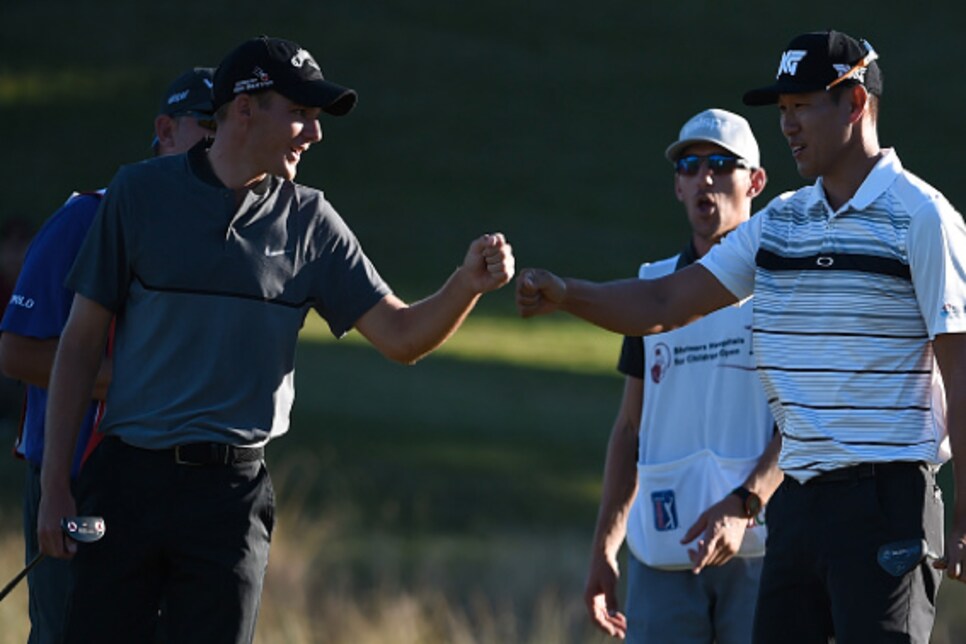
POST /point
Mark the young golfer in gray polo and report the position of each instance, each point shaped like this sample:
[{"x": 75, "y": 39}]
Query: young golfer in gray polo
[{"x": 211, "y": 261}]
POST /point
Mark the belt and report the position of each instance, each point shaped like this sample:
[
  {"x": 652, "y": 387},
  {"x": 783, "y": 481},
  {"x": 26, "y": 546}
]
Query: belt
[
  {"x": 199, "y": 454},
  {"x": 861, "y": 471},
  {"x": 215, "y": 454}
]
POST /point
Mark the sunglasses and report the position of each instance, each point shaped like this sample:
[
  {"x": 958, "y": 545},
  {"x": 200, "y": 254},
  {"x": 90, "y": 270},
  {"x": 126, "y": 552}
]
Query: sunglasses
[
  {"x": 690, "y": 164},
  {"x": 207, "y": 121}
]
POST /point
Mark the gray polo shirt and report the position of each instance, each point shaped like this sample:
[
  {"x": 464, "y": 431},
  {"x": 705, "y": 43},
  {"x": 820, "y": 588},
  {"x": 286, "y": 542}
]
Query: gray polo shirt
[{"x": 210, "y": 298}]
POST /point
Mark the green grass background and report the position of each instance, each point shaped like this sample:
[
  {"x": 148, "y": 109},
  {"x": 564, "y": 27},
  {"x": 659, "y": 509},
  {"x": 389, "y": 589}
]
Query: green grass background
[{"x": 546, "y": 120}]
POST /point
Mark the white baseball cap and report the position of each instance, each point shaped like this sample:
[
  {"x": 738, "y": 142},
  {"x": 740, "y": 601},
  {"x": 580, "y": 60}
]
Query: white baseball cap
[{"x": 721, "y": 127}]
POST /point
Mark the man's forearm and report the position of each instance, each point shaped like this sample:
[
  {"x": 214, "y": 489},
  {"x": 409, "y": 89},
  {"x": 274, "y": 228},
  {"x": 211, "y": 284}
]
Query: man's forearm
[
  {"x": 69, "y": 396},
  {"x": 71, "y": 382},
  {"x": 406, "y": 333},
  {"x": 950, "y": 353},
  {"x": 956, "y": 427},
  {"x": 766, "y": 476},
  {"x": 643, "y": 307},
  {"x": 619, "y": 490},
  {"x": 31, "y": 361},
  {"x": 428, "y": 323}
]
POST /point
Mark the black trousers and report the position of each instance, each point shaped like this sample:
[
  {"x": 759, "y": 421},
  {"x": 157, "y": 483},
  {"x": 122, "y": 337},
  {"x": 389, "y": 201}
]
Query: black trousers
[
  {"x": 821, "y": 575},
  {"x": 198, "y": 536}
]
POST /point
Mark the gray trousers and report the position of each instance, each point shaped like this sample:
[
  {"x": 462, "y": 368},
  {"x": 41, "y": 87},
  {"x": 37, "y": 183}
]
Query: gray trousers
[{"x": 717, "y": 605}]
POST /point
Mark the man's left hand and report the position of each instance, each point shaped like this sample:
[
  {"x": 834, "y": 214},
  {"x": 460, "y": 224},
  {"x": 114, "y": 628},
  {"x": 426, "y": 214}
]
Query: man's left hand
[
  {"x": 722, "y": 527},
  {"x": 954, "y": 563}
]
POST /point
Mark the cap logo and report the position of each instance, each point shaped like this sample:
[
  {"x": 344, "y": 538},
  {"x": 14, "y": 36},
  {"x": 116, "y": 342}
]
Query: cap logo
[
  {"x": 177, "y": 98},
  {"x": 842, "y": 70},
  {"x": 208, "y": 83},
  {"x": 789, "y": 61},
  {"x": 261, "y": 80},
  {"x": 302, "y": 57},
  {"x": 708, "y": 123}
]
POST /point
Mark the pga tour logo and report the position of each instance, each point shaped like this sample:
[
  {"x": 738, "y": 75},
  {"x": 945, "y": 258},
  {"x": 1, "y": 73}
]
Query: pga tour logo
[
  {"x": 665, "y": 510},
  {"x": 789, "y": 62}
]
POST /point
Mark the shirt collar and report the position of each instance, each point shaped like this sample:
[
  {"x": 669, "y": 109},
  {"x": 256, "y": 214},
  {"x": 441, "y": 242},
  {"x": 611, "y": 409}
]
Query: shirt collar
[
  {"x": 198, "y": 161},
  {"x": 876, "y": 183},
  {"x": 687, "y": 256},
  {"x": 201, "y": 166}
]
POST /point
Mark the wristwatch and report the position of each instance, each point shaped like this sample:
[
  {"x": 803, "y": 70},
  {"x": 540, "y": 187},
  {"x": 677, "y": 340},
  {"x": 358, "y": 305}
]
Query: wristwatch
[{"x": 750, "y": 501}]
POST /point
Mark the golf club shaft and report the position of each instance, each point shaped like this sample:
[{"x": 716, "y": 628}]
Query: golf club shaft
[{"x": 23, "y": 573}]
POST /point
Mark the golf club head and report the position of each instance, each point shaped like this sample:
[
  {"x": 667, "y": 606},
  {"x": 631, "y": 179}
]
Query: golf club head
[
  {"x": 899, "y": 557},
  {"x": 83, "y": 529}
]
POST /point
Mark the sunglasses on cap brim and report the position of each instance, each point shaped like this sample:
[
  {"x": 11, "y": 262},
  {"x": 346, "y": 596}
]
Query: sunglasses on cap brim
[{"x": 868, "y": 59}]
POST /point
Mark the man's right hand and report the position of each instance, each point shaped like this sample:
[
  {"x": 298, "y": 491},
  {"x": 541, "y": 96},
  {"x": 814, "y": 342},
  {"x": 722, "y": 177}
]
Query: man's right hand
[
  {"x": 54, "y": 506},
  {"x": 539, "y": 292},
  {"x": 600, "y": 598}
]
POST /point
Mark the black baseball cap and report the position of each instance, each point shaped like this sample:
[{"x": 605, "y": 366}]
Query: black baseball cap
[
  {"x": 190, "y": 92},
  {"x": 265, "y": 63},
  {"x": 818, "y": 61}
]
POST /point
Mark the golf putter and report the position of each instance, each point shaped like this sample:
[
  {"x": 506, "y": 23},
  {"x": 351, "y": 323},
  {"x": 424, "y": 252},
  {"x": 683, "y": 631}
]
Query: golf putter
[
  {"x": 80, "y": 529},
  {"x": 899, "y": 557}
]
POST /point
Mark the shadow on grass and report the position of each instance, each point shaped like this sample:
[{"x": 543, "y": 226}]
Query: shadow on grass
[
  {"x": 450, "y": 501},
  {"x": 447, "y": 444}
]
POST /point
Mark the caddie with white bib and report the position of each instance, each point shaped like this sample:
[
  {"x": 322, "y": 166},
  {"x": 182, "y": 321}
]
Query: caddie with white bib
[{"x": 694, "y": 432}]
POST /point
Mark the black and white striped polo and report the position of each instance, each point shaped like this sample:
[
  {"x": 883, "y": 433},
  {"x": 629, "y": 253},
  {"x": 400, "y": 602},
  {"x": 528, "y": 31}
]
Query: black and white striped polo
[{"x": 846, "y": 304}]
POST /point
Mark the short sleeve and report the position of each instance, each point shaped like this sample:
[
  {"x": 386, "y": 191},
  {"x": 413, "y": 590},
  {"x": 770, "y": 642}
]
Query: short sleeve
[
  {"x": 347, "y": 284},
  {"x": 732, "y": 262},
  {"x": 41, "y": 302},
  {"x": 631, "y": 362},
  {"x": 936, "y": 245},
  {"x": 102, "y": 270}
]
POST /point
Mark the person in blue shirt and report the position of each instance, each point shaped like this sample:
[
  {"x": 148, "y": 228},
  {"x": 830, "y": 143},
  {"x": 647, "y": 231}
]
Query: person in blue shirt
[{"x": 31, "y": 327}]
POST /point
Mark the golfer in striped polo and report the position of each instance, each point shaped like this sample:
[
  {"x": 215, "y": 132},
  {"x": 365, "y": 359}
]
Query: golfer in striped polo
[{"x": 859, "y": 319}]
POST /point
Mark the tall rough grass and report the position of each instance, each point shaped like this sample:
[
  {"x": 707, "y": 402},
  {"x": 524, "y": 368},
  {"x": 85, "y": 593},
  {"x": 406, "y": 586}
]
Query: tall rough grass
[
  {"x": 325, "y": 586},
  {"x": 328, "y": 583},
  {"x": 14, "y": 623}
]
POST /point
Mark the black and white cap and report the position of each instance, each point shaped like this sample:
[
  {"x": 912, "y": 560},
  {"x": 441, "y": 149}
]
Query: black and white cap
[
  {"x": 264, "y": 63},
  {"x": 818, "y": 61}
]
